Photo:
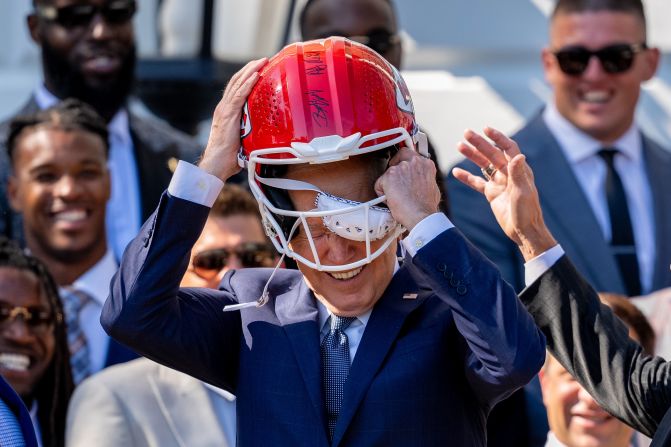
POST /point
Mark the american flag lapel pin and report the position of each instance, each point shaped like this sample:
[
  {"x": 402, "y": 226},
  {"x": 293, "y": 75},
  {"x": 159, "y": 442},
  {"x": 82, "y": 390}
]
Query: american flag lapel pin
[{"x": 409, "y": 296}]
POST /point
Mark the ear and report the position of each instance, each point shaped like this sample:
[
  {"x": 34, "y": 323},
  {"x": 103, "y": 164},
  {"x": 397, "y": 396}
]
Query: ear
[
  {"x": 544, "y": 383},
  {"x": 651, "y": 63},
  {"x": 33, "y": 23},
  {"x": 549, "y": 62},
  {"x": 13, "y": 194}
]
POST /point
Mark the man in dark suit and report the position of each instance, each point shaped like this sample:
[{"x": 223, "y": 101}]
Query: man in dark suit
[
  {"x": 593, "y": 106},
  {"x": 583, "y": 334},
  {"x": 88, "y": 52},
  {"x": 359, "y": 350},
  {"x": 60, "y": 185},
  {"x": 620, "y": 242}
]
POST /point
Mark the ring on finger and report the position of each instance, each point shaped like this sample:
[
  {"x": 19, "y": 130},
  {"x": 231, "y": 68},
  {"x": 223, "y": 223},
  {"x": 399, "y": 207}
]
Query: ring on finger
[{"x": 488, "y": 172}]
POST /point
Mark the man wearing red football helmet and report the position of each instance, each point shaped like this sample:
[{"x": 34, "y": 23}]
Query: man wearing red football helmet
[{"x": 356, "y": 348}]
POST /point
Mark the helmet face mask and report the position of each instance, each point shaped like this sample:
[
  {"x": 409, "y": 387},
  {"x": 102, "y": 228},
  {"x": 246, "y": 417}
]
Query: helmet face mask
[{"x": 322, "y": 113}]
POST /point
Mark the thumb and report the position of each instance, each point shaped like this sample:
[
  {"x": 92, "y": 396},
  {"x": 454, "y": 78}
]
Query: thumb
[{"x": 379, "y": 190}]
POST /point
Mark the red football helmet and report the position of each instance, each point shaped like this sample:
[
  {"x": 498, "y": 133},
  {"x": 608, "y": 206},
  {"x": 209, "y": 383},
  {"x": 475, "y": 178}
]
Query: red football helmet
[{"x": 318, "y": 102}]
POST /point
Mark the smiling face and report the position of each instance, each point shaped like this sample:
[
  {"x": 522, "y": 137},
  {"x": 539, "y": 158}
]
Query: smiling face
[
  {"x": 574, "y": 416},
  {"x": 93, "y": 62},
  {"x": 601, "y": 104},
  {"x": 25, "y": 351},
  {"x": 353, "y": 292},
  {"x": 61, "y": 185}
]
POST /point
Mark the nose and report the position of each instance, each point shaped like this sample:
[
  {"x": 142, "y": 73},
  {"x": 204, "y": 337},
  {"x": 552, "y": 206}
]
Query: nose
[
  {"x": 17, "y": 330},
  {"x": 100, "y": 29},
  {"x": 67, "y": 187},
  {"x": 341, "y": 250},
  {"x": 594, "y": 69},
  {"x": 588, "y": 400}
]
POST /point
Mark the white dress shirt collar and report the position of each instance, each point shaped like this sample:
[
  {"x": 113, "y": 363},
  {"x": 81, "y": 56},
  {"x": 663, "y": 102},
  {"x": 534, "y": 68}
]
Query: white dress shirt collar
[
  {"x": 96, "y": 281},
  {"x": 324, "y": 316},
  {"x": 577, "y": 145},
  {"x": 36, "y": 423}
]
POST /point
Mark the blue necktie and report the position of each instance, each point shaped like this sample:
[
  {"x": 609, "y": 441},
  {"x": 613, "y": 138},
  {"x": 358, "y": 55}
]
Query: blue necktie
[
  {"x": 622, "y": 234},
  {"x": 73, "y": 302},
  {"x": 10, "y": 430},
  {"x": 335, "y": 367}
]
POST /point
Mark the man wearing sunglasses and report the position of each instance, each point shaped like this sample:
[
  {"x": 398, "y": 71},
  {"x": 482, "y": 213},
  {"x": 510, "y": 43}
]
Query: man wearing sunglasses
[
  {"x": 604, "y": 185},
  {"x": 88, "y": 52}
]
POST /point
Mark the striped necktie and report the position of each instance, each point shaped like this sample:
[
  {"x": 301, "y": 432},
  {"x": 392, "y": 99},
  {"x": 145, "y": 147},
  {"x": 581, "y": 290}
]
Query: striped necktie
[
  {"x": 10, "y": 430},
  {"x": 73, "y": 302},
  {"x": 335, "y": 367}
]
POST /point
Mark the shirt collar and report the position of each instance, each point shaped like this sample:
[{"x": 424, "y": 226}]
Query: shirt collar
[
  {"x": 95, "y": 282},
  {"x": 578, "y": 146},
  {"x": 223, "y": 393},
  {"x": 118, "y": 127}
]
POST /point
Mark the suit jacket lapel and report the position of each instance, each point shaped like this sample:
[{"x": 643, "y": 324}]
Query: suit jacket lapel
[
  {"x": 298, "y": 314},
  {"x": 380, "y": 334},
  {"x": 177, "y": 394},
  {"x": 658, "y": 166},
  {"x": 568, "y": 213}
]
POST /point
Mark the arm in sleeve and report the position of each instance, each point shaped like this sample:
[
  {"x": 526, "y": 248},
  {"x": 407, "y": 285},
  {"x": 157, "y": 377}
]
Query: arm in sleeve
[
  {"x": 184, "y": 329},
  {"x": 504, "y": 347},
  {"x": 97, "y": 417},
  {"x": 594, "y": 346}
]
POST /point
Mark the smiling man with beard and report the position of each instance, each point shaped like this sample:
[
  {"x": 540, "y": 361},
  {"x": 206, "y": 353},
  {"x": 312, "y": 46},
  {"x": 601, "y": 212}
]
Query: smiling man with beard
[{"x": 88, "y": 53}]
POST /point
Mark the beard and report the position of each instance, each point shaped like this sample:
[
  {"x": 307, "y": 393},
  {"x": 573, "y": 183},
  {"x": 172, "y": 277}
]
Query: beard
[{"x": 105, "y": 95}]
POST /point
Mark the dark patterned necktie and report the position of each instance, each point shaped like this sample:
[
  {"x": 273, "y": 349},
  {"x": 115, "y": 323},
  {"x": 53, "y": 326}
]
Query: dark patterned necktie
[
  {"x": 622, "y": 235},
  {"x": 335, "y": 367},
  {"x": 73, "y": 302},
  {"x": 10, "y": 430}
]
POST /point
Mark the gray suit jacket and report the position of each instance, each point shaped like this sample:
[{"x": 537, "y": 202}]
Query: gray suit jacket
[
  {"x": 567, "y": 213},
  {"x": 157, "y": 148},
  {"x": 594, "y": 346},
  {"x": 142, "y": 404}
]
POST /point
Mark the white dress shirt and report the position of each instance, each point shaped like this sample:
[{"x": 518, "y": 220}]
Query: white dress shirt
[
  {"x": 36, "y": 423},
  {"x": 581, "y": 151},
  {"x": 124, "y": 213},
  {"x": 96, "y": 283}
]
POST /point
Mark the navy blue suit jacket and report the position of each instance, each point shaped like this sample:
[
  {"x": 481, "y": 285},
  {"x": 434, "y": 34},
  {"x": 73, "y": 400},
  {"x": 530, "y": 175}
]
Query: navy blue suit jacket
[
  {"x": 426, "y": 373},
  {"x": 14, "y": 402}
]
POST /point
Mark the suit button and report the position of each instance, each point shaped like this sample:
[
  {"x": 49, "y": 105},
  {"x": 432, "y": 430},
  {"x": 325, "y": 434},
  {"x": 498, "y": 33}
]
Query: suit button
[
  {"x": 441, "y": 267},
  {"x": 454, "y": 282},
  {"x": 462, "y": 290}
]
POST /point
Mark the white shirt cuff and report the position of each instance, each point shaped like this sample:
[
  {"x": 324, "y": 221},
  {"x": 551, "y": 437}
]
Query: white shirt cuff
[
  {"x": 191, "y": 183},
  {"x": 425, "y": 231},
  {"x": 534, "y": 268}
]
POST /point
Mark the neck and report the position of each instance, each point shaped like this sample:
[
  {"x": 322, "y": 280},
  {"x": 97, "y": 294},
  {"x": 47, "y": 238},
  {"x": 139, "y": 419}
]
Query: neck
[
  {"x": 106, "y": 111},
  {"x": 67, "y": 268}
]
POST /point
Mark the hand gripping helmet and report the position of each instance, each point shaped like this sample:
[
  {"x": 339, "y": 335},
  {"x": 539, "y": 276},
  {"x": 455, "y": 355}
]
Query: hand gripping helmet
[{"x": 324, "y": 101}]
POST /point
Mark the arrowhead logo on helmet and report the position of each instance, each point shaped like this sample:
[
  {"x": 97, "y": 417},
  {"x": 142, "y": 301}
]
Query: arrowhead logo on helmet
[{"x": 245, "y": 122}]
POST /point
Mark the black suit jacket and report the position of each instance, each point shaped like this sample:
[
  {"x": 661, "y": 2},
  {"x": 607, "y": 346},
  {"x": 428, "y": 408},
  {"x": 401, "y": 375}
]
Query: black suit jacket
[
  {"x": 594, "y": 346},
  {"x": 157, "y": 147}
]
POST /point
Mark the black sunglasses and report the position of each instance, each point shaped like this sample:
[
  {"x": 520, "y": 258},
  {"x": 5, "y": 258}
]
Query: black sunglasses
[
  {"x": 614, "y": 58},
  {"x": 207, "y": 264},
  {"x": 379, "y": 40},
  {"x": 77, "y": 15},
  {"x": 35, "y": 317}
]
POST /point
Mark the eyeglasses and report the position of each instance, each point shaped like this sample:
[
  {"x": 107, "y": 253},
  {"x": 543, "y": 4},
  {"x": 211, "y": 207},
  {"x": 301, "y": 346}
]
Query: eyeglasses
[
  {"x": 207, "y": 264},
  {"x": 37, "y": 318},
  {"x": 77, "y": 15},
  {"x": 379, "y": 40},
  {"x": 614, "y": 58}
]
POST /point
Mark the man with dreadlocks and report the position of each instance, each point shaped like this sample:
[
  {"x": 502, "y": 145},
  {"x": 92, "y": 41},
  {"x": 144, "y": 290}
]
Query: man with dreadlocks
[
  {"x": 34, "y": 355},
  {"x": 60, "y": 184}
]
